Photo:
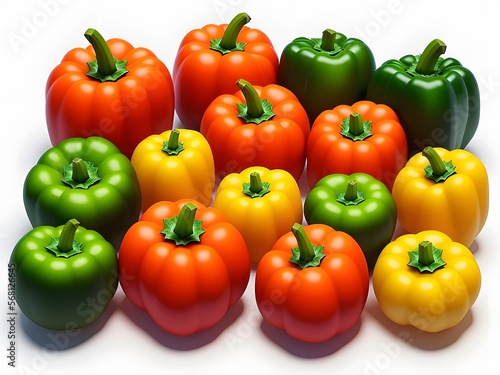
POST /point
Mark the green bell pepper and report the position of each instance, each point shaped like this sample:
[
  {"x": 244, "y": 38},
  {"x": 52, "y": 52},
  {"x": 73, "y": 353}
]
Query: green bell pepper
[
  {"x": 65, "y": 276},
  {"x": 357, "y": 204},
  {"x": 88, "y": 179},
  {"x": 436, "y": 99},
  {"x": 325, "y": 72}
]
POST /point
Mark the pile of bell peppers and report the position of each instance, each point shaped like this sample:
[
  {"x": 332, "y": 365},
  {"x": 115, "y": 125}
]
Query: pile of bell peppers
[{"x": 181, "y": 216}]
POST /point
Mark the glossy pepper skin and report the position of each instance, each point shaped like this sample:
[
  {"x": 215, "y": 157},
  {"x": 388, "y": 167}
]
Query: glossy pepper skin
[
  {"x": 326, "y": 72},
  {"x": 262, "y": 203},
  {"x": 88, "y": 179},
  {"x": 357, "y": 204},
  {"x": 364, "y": 137},
  {"x": 426, "y": 280},
  {"x": 65, "y": 276},
  {"x": 184, "y": 264},
  {"x": 107, "y": 90},
  {"x": 258, "y": 125},
  {"x": 211, "y": 59},
  {"x": 437, "y": 99},
  {"x": 173, "y": 165},
  {"x": 443, "y": 190},
  {"x": 313, "y": 284}
]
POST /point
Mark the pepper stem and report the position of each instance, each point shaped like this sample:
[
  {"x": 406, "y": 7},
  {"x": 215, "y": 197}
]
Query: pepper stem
[
  {"x": 328, "y": 40},
  {"x": 351, "y": 193},
  {"x": 106, "y": 64},
  {"x": 255, "y": 182},
  {"x": 425, "y": 253},
  {"x": 232, "y": 31},
  {"x": 437, "y": 164},
  {"x": 67, "y": 236},
  {"x": 254, "y": 103},
  {"x": 173, "y": 140},
  {"x": 185, "y": 221},
  {"x": 79, "y": 171},
  {"x": 356, "y": 124},
  {"x": 428, "y": 58},
  {"x": 304, "y": 244}
]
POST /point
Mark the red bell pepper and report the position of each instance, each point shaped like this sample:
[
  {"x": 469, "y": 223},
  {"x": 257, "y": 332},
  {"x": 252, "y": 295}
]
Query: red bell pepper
[
  {"x": 184, "y": 264},
  {"x": 313, "y": 284},
  {"x": 365, "y": 137},
  {"x": 263, "y": 126},
  {"x": 211, "y": 59},
  {"x": 109, "y": 89}
]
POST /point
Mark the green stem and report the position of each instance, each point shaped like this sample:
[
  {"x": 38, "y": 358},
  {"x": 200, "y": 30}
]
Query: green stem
[
  {"x": 304, "y": 244},
  {"x": 185, "y": 221},
  {"x": 255, "y": 182},
  {"x": 254, "y": 103},
  {"x": 79, "y": 170},
  {"x": 328, "y": 40},
  {"x": 106, "y": 64},
  {"x": 356, "y": 124},
  {"x": 173, "y": 140},
  {"x": 232, "y": 31},
  {"x": 351, "y": 193},
  {"x": 425, "y": 253},
  {"x": 437, "y": 164},
  {"x": 68, "y": 235},
  {"x": 428, "y": 58}
]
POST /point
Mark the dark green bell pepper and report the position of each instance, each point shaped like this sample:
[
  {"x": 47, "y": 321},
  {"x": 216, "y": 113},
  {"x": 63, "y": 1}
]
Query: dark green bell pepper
[
  {"x": 435, "y": 98},
  {"x": 357, "y": 204},
  {"x": 326, "y": 72},
  {"x": 88, "y": 179},
  {"x": 65, "y": 276}
]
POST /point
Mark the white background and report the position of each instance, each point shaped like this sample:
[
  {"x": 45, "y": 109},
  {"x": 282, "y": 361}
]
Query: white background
[{"x": 125, "y": 338}]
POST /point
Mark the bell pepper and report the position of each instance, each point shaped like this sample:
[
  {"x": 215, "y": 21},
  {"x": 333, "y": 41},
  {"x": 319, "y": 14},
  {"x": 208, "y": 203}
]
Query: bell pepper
[
  {"x": 436, "y": 99},
  {"x": 173, "y": 165},
  {"x": 258, "y": 125},
  {"x": 184, "y": 264},
  {"x": 109, "y": 89},
  {"x": 262, "y": 203},
  {"x": 365, "y": 137},
  {"x": 88, "y": 179},
  {"x": 443, "y": 190},
  {"x": 326, "y": 72},
  {"x": 426, "y": 280},
  {"x": 65, "y": 276},
  {"x": 313, "y": 284},
  {"x": 357, "y": 204},
  {"x": 211, "y": 59}
]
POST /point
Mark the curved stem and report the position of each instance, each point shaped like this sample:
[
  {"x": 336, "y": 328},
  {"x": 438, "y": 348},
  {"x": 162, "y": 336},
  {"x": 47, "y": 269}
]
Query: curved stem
[
  {"x": 356, "y": 125},
  {"x": 68, "y": 235},
  {"x": 437, "y": 164},
  {"x": 173, "y": 140},
  {"x": 351, "y": 193},
  {"x": 304, "y": 244},
  {"x": 232, "y": 31},
  {"x": 427, "y": 61},
  {"x": 106, "y": 64},
  {"x": 328, "y": 40},
  {"x": 254, "y": 103},
  {"x": 425, "y": 253},
  {"x": 79, "y": 170},
  {"x": 185, "y": 221}
]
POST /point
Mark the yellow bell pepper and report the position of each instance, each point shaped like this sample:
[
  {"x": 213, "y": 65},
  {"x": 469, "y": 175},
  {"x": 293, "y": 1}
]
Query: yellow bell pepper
[
  {"x": 262, "y": 203},
  {"x": 173, "y": 165},
  {"x": 426, "y": 280},
  {"x": 443, "y": 190}
]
